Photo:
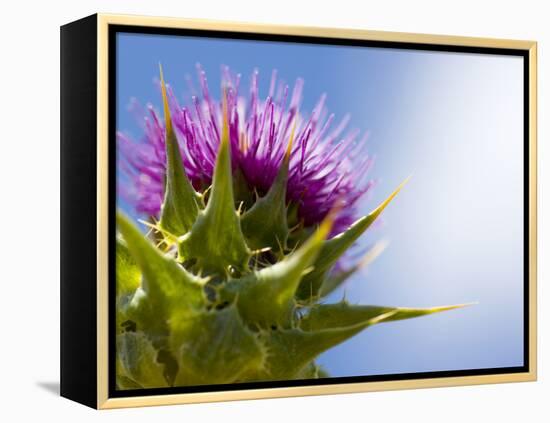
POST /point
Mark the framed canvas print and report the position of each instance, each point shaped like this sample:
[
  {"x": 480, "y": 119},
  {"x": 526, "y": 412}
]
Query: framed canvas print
[{"x": 262, "y": 211}]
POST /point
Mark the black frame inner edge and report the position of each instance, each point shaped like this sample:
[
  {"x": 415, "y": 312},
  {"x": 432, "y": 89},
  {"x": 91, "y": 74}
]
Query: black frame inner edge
[{"x": 112, "y": 48}]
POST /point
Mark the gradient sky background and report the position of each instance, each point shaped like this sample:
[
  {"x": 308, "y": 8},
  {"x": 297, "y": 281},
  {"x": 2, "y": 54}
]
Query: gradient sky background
[{"x": 455, "y": 122}]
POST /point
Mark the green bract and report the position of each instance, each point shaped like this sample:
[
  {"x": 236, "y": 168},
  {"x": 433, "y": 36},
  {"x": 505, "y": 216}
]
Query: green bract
[{"x": 208, "y": 306}]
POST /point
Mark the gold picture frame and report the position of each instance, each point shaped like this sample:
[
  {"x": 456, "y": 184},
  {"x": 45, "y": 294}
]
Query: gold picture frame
[{"x": 101, "y": 24}]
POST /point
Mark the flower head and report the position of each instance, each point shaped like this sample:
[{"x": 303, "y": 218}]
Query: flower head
[
  {"x": 326, "y": 165},
  {"x": 248, "y": 253}
]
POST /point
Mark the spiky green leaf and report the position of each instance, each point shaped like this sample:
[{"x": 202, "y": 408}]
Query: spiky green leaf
[
  {"x": 216, "y": 240},
  {"x": 181, "y": 203},
  {"x": 164, "y": 279},
  {"x": 343, "y": 314},
  {"x": 265, "y": 224},
  {"x": 334, "y": 248},
  {"x": 325, "y": 326}
]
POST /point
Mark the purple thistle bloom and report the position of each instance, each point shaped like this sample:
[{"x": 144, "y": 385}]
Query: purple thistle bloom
[{"x": 325, "y": 166}]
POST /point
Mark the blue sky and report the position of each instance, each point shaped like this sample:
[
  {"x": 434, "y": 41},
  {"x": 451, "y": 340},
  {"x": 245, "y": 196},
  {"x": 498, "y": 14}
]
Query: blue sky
[{"x": 453, "y": 121}]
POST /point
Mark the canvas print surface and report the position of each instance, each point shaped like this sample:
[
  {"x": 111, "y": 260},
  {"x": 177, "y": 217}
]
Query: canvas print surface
[{"x": 297, "y": 211}]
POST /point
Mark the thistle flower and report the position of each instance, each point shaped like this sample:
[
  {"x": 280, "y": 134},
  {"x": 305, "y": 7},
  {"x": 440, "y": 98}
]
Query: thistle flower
[
  {"x": 326, "y": 164},
  {"x": 237, "y": 295}
]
